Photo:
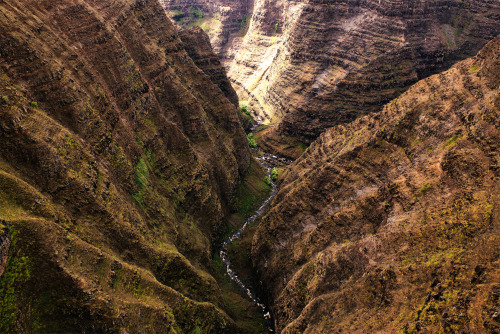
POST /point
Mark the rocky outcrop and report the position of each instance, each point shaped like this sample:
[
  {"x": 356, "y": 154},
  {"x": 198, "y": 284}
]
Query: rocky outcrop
[
  {"x": 118, "y": 165},
  {"x": 392, "y": 223},
  {"x": 312, "y": 64}
]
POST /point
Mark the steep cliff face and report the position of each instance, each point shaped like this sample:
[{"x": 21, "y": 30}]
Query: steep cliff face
[
  {"x": 198, "y": 47},
  {"x": 312, "y": 64},
  {"x": 392, "y": 223},
  {"x": 225, "y": 21},
  {"x": 118, "y": 163}
]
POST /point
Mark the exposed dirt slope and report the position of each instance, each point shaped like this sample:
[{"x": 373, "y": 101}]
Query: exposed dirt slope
[
  {"x": 118, "y": 163},
  {"x": 392, "y": 223}
]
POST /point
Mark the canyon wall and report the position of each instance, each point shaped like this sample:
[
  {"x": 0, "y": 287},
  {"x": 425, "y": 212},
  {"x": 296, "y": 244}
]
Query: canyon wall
[
  {"x": 312, "y": 64},
  {"x": 223, "y": 20},
  {"x": 200, "y": 50},
  {"x": 119, "y": 158},
  {"x": 392, "y": 222}
]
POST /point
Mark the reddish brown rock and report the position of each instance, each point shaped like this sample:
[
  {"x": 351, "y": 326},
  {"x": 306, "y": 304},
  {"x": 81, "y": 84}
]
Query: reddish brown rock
[
  {"x": 392, "y": 223},
  {"x": 310, "y": 65},
  {"x": 119, "y": 158},
  {"x": 225, "y": 21},
  {"x": 197, "y": 44}
]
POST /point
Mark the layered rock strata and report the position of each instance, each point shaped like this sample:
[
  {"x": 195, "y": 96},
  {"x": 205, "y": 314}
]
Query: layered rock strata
[
  {"x": 198, "y": 47},
  {"x": 312, "y": 64},
  {"x": 392, "y": 223},
  {"x": 118, "y": 163},
  {"x": 223, "y": 20}
]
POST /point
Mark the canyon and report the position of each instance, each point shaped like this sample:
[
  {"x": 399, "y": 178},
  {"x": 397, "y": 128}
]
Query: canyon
[
  {"x": 307, "y": 65},
  {"x": 126, "y": 162},
  {"x": 223, "y": 20}
]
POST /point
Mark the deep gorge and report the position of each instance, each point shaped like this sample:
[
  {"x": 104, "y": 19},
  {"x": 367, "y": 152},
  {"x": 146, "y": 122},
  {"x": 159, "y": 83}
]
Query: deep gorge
[{"x": 130, "y": 134}]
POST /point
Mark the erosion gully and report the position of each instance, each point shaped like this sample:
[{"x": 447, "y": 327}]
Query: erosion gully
[{"x": 268, "y": 161}]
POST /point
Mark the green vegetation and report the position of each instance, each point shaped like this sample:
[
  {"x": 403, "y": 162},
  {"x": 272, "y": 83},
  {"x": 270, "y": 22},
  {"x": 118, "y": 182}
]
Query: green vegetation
[
  {"x": 34, "y": 104},
  {"x": 274, "y": 174},
  {"x": 426, "y": 187},
  {"x": 242, "y": 22},
  {"x": 69, "y": 139},
  {"x": 251, "y": 192},
  {"x": 141, "y": 180},
  {"x": 142, "y": 168},
  {"x": 487, "y": 213},
  {"x": 17, "y": 273},
  {"x": 208, "y": 24},
  {"x": 195, "y": 17},
  {"x": 268, "y": 181},
  {"x": 141, "y": 173},
  {"x": 245, "y": 118},
  {"x": 245, "y": 110},
  {"x": 474, "y": 68},
  {"x": 5, "y": 98},
  {"x": 251, "y": 140},
  {"x": 452, "y": 140},
  {"x": 243, "y": 25},
  {"x": 276, "y": 27},
  {"x": 196, "y": 13},
  {"x": 240, "y": 309}
]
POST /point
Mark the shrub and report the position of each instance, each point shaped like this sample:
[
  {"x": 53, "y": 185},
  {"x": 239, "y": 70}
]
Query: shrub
[
  {"x": 245, "y": 110},
  {"x": 251, "y": 140},
  {"x": 196, "y": 13},
  {"x": 474, "y": 68},
  {"x": 34, "y": 104},
  {"x": 5, "y": 98},
  {"x": 268, "y": 181},
  {"x": 425, "y": 188},
  {"x": 452, "y": 140},
  {"x": 274, "y": 174}
]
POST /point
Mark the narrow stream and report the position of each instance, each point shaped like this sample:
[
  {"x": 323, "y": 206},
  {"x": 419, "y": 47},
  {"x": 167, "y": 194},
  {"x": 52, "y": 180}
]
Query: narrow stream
[{"x": 264, "y": 161}]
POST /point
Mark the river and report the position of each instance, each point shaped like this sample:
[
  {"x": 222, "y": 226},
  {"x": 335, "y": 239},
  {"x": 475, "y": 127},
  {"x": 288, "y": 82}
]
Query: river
[{"x": 265, "y": 161}]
